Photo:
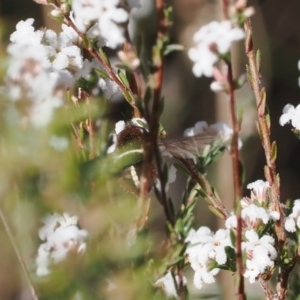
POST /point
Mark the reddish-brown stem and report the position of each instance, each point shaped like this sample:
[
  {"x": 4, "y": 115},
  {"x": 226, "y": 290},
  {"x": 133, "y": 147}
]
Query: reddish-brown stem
[
  {"x": 236, "y": 182},
  {"x": 268, "y": 293},
  {"x": 150, "y": 144},
  {"x": 264, "y": 132},
  {"x": 225, "y": 5},
  {"x": 181, "y": 285},
  {"x": 236, "y": 170},
  {"x": 270, "y": 169}
]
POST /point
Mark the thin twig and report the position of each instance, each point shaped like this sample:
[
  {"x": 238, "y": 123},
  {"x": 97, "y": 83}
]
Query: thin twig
[
  {"x": 236, "y": 170},
  {"x": 150, "y": 144},
  {"x": 264, "y": 127},
  {"x": 225, "y": 6},
  {"x": 270, "y": 169},
  {"x": 18, "y": 254},
  {"x": 268, "y": 293},
  {"x": 236, "y": 183}
]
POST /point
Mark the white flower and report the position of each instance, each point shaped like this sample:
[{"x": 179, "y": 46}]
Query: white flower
[
  {"x": 231, "y": 221},
  {"x": 108, "y": 16},
  {"x": 25, "y": 34},
  {"x": 61, "y": 235},
  {"x": 68, "y": 37},
  {"x": 291, "y": 114},
  {"x": 204, "y": 248},
  {"x": 252, "y": 271},
  {"x": 167, "y": 284},
  {"x": 217, "y": 86},
  {"x": 204, "y": 61},
  {"x": 224, "y": 131},
  {"x": 42, "y": 59},
  {"x": 260, "y": 252},
  {"x": 199, "y": 236},
  {"x": 199, "y": 127},
  {"x": 212, "y": 40},
  {"x": 294, "y": 218},
  {"x": 200, "y": 264},
  {"x": 171, "y": 178},
  {"x": 259, "y": 189},
  {"x": 253, "y": 212},
  {"x": 221, "y": 240},
  {"x": 109, "y": 88}
]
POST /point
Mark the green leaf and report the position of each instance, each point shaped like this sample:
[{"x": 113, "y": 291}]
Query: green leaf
[
  {"x": 215, "y": 211},
  {"x": 123, "y": 78},
  {"x": 172, "y": 48},
  {"x": 101, "y": 73},
  {"x": 232, "y": 237},
  {"x": 240, "y": 81},
  {"x": 258, "y": 60},
  {"x": 273, "y": 151},
  {"x": 181, "y": 169},
  {"x": 179, "y": 226},
  {"x": 104, "y": 57},
  {"x": 171, "y": 208}
]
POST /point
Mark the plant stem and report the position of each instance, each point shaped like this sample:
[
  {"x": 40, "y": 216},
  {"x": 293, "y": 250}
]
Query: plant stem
[
  {"x": 150, "y": 144},
  {"x": 18, "y": 254},
  {"x": 270, "y": 169},
  {"x": 236, "y": 170},
  {"x": 236, "y": 182}
]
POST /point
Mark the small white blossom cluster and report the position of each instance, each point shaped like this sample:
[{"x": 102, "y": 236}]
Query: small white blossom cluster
[
  {"x": 291, "y": 114},
  {"x": 109, "y": 17},
  {"x": 60, "y": 235},
  {"x": 255, "y": 213},
  {"x": 260, "y": 251},
  {"x": 260, "y": 254},
  {"x": 38, "y": 71},
  {"x": 207, "y": 250},
  {"x": 43, "y": 65},
  {"x": 212, "y": 41},
  {"x": 166, "y": 283},
  {"x": 204, "y": 251},
  {"x": 292, "y": 221}
]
